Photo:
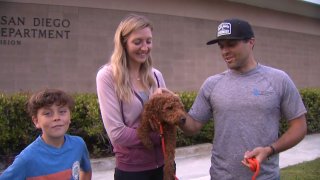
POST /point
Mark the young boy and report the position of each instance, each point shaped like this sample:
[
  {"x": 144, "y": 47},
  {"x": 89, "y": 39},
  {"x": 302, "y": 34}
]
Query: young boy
[{"x": 53, "y": 155}]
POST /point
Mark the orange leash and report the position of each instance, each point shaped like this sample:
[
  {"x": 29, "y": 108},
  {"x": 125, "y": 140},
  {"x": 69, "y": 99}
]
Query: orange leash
[
  {"x": 254, "y": 167},
  {"x": 162, "y": 142},
  {"x": 164, "y": 147}
]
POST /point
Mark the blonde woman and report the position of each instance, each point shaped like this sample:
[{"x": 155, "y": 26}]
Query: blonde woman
[{"x": 124, "y": 85}]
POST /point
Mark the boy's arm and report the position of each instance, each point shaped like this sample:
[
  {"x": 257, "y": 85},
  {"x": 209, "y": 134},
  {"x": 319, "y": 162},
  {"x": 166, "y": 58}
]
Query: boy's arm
[
  {"x": 85, "y": 175},
  {"x": 85, "y": 165},
  {"x": 17, "y": 170}
]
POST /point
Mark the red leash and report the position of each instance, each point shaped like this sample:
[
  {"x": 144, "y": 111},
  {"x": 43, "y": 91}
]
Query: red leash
[
  {"x": 254, "y": 167},
  {"x": 164, "y": 147}
]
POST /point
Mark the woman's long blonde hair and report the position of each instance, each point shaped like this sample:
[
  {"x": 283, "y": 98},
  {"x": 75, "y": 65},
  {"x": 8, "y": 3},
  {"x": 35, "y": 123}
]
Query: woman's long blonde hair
[{"x": 119, "y": 61}]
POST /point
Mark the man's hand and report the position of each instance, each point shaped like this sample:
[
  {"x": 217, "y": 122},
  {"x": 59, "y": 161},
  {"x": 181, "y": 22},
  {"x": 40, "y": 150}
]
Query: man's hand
[{"x": 260, "y": 153}]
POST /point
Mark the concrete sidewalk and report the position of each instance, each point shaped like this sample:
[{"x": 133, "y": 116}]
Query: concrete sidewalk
[{"x": 193, "y": 162}]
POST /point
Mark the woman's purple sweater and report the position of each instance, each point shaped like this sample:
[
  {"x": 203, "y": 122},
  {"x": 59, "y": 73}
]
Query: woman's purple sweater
[{"x": 130, "y": 153}]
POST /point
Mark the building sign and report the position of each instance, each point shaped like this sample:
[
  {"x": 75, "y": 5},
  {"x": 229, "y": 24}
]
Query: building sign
[{"x": 13, "y": 30}]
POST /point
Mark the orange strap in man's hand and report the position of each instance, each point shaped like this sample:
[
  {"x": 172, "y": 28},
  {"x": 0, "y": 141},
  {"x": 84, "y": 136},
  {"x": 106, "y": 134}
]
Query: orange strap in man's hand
[{"x": 254, "y": 166}]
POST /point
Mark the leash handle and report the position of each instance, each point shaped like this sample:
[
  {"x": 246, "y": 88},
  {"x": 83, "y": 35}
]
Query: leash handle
[{"x": 254, "y": 167}]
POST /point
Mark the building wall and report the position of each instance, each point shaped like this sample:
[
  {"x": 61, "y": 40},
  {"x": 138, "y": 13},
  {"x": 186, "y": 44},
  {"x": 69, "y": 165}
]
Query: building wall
[{"x": 37, "y": 56}]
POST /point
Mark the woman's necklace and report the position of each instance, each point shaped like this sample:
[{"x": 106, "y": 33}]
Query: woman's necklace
[{"x": 137, "y": 77}]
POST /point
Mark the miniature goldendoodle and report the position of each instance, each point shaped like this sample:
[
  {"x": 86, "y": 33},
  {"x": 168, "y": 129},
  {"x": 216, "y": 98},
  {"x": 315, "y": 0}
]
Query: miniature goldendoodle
[{"x": 164, "y": 110}]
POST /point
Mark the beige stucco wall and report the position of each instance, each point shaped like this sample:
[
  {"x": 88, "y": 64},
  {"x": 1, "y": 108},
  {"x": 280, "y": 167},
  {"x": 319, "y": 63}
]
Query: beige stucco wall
[{"x": 286, "y": 41}]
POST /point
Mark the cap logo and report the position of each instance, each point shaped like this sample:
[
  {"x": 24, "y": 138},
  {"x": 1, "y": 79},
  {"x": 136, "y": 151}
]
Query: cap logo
[{"x": 224, "y": 29}]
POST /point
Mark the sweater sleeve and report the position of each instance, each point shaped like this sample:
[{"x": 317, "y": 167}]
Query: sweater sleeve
[{"x": 109, "y": 104}]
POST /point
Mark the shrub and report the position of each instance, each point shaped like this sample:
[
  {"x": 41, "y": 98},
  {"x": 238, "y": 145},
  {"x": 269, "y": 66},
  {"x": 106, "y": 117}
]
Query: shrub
[
  {"x": 17, "y": 129},
  {"x": 311, "y": 100},
  {"x": 15, "y": 124},
  {"x": 87, "y": 123}
]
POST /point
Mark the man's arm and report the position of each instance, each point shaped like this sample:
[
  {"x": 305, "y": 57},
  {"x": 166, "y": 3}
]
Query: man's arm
[
  {"x": 191, "y": 126},
  {"x": 295, "y": 133}
]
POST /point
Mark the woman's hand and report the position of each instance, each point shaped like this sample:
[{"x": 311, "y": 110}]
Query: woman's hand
[
  {"x": 155, "y": 125},
  {"x": 162, "y": 90}
]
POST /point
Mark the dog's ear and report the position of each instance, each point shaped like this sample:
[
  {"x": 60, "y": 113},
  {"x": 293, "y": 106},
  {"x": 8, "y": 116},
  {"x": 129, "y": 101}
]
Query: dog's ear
[
  {"x": 151, "y": 113},
  {"x": 153, "y": 119},
  {"x": 155, "y": 122}
]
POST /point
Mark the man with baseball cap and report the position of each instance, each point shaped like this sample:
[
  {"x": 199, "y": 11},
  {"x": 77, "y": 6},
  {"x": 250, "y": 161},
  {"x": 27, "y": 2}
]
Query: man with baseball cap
[{"x": 246, "y": 102}]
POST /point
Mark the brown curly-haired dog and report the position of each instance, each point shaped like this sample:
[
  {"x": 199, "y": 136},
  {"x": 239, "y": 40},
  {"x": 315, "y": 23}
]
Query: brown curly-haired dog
[{"x": 165, "y": 109}]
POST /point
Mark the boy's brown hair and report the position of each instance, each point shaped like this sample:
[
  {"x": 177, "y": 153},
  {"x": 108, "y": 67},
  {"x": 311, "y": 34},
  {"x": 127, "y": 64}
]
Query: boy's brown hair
[{"x": 46, "y": 98}]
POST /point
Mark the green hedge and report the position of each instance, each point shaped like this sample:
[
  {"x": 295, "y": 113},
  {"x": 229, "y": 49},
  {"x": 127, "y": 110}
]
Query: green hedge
[
  {"x": 17, "y": 130},
  {"x": 311, "y": 99}
]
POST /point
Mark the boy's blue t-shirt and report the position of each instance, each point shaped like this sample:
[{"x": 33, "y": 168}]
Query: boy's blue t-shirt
[{"x": 40, "y": 160}]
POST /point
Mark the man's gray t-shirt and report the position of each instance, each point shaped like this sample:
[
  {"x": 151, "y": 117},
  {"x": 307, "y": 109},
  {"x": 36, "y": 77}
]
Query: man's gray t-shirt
[{"x": 246, "y": 109}]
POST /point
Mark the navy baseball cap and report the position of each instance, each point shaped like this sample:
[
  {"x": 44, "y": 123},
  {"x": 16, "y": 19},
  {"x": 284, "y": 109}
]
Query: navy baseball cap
[{"x": 233, "y": 29}]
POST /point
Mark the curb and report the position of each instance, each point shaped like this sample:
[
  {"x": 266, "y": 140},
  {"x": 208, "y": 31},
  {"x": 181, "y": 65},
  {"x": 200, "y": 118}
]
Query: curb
[
  {"x": 105, "y": 164},
  {"x": 194, "y": 150}
]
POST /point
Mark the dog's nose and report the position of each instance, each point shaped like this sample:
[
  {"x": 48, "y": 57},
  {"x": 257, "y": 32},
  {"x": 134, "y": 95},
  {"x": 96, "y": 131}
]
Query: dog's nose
[{"x": 182, "y": 120}]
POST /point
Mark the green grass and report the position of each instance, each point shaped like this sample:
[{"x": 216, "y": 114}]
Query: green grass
[{"x": 304, "y": 171}]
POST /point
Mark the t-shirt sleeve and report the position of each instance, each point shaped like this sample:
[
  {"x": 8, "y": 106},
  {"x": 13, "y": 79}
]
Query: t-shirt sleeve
[
  {"x": 17, "y": 170},
  {"x": 291, "y": 104},
  {"x": 201, "y": 109},
  {"x": 85, "y": 160}
]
